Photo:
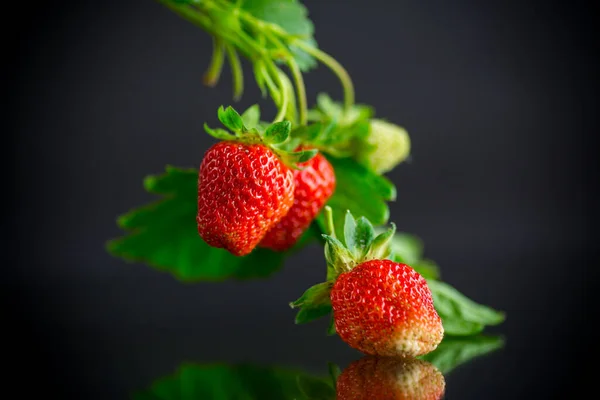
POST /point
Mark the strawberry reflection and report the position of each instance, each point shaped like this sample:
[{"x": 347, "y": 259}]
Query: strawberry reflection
[
  {"x": 372, "y": 378},
  {"x": 381, "y": 378}
]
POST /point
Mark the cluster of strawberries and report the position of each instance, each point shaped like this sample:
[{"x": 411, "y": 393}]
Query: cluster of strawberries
[{"x": 250, "y": 195}]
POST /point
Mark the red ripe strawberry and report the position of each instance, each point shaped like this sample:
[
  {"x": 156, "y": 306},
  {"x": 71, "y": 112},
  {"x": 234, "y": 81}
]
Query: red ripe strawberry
[
  {"x": 380, "y": 307},
  {"x": 390, "y": 378},
  {"x": 243, "y": 190},
  {"x": 314, "y": 185},
  {"x": 245, "y": 184},
  {"x": 385, "y": 308}
]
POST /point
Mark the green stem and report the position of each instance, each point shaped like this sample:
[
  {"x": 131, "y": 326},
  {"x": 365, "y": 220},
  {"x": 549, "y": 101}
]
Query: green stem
[
  {"x": 274, "y": 71},
  {"x": 296, "y": 74},
  {"x": 262, "y": 71},
  {"x": 191, "y": 15},
  {"x": 213, "y": 73},
  {"x": 329, "y": 227},
  {"x": 335, "y": 66},
  {"x": 301, "y": 92},
  {"x": 291, "y": 114},
  {"x": 236, "y": 72}
]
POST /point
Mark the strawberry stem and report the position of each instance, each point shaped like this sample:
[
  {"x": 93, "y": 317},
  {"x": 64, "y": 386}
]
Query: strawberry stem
[
  {"x": 335, "y": 66},
  {"x": 240, "y": 31},
  {"x": 329, "y": 227},
  {"x": 236, "y": 72},
  {"x": 213, "y": 73}
]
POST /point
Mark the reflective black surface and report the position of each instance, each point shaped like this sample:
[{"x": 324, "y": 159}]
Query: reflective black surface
[{"x": 500, "y": 100}]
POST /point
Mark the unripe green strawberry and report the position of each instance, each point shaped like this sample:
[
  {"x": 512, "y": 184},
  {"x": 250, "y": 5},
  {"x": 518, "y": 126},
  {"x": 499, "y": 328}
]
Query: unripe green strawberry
[
  {"x": 385, "y": 308},
  {"x": 380, "y": 307},
  {"x": 384, "y": 147},
  {"x": 314, "y": 184},
  {"x": 243, "y": 190},
  {"x": 390, "y": 378},
  {"x": 245, "y": 182}
]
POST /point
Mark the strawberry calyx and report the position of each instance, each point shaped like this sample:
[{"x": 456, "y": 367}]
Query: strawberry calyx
[
  {"x": 247, "y": 128},
  {"x": 359, "y": 244}
]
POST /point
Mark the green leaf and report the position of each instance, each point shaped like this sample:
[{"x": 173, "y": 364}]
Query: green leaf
[
  {"x": 231, "y": 119},
  {"x": 314, "y": 303},
  {"x": 292, "y": 16},
  {"x": 278, "y": 132},
  {"x": 407, "y": 248},
  {"x": 461, "y": 315},
  {"x": 359, "y": 190},
  {"x": 427, "y": 268},
  {"x": 251, "y": 117},
  {"x": 315, "y": 389},
  {"x": 164, "y": 235},
  {"x": 455, "y": 351},
  {"x": 219, "y": 381}
]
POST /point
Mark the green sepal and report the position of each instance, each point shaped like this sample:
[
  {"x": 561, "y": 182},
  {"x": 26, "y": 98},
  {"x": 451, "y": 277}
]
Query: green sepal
[
  {"x": 358, "y": 235},
  {"x": 314, "y": 303},
  {"x": 339, "y": 259},
  {"x": 331, "y": 327},
  {"x": 360, "y": 243},
  {"x": 298, "y": 157},
  {"x": 218, "y": 133},
  {"x": 231, "y": 119},
  {"x": 278, "y": 132},
  {"x": 381, "y": 247}
]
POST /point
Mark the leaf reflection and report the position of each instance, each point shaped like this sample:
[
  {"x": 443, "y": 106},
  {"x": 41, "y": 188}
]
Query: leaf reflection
[{"x": 368, "y": 377}]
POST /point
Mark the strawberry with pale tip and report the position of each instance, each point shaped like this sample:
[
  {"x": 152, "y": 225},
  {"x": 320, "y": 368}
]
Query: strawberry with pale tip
[{"x": 380, "y": 307}]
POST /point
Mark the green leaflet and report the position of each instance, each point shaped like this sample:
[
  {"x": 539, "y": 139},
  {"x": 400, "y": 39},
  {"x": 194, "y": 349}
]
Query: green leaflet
[
  {"x": 461, "y": 315},
  {"x": 163, "y": 234},
  {"x": 359, "y": 190},
  {"x": 221, "y": 381},
  {"x": 455, "y": 351}
]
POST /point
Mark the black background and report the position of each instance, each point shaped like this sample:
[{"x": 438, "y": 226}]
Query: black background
[{"x": 500, "y": 99}]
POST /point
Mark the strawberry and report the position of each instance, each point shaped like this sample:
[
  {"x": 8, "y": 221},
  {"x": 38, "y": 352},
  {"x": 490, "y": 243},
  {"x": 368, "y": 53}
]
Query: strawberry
[
  {"x": 380, "y": 307},
  {"x": 314, "y": 184},
  {"x": 390, "y": 378},
  {"x": 245, "y": 184},
  {"x": 391, "y": 310}
]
